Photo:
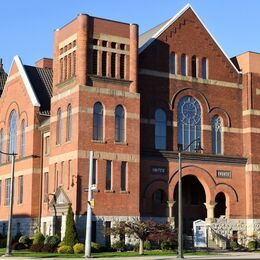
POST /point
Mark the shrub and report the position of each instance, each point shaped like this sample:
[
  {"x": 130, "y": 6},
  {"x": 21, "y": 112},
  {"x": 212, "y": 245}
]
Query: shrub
[
  {"x": 95, "y": 247},
  {"x": 65, "y": 250},
  {"x": 233, "y": 244},
  {"x": 70, "y": 238},
  {"x": 3, "y": 243},
  {"x": 147, "y": 245},
  {"x": 79, "y": 248},
  {"x": 252, "y": 245},
  {"x": 52, "y": 240},
  {"x": 168, "y": 245},
  {"x": 119, "y": 246},
  {"x": 36, "y": 247},
  {"x": 38, "y": 238},
  {"x": 48, "y": 248},
  {"x": 18, "y": 246},
  {"x": 25, "y": 240}
]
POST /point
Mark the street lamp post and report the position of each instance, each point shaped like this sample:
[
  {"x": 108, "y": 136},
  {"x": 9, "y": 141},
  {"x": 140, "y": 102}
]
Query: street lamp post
[
  {"x": 180, "y": 206},
  {"x": 11, "y": 204}
]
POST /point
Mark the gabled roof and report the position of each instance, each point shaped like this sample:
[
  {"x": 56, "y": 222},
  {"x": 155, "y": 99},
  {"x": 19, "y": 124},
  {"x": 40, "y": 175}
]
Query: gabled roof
[
  {"x": 38, "y": 83},
  {"x": 41, "y": 80},
  {"x": 3, "y": 77},
  {"x": 148, "y": 37}
]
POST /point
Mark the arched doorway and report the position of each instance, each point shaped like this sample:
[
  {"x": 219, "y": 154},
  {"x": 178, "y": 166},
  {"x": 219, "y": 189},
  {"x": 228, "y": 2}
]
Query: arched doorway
[
  {"x": 193, "y": 200},
  {"x": 220, "y": 208}
]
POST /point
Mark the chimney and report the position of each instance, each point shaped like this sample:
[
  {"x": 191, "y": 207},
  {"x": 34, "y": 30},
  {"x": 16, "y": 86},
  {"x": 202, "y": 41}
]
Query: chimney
[{"x": 44, "y": 63}]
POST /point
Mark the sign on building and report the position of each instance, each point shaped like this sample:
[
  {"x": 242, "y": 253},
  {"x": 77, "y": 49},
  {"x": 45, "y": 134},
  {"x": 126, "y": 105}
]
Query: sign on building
[
  {"x": 224, "y": 174},
  {"x": 200, "y": 233},
  {"x": 158, "y": 170}
]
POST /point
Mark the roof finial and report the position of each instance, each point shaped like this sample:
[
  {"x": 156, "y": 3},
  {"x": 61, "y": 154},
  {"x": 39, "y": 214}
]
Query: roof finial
[{"x": 1, "y": 63}]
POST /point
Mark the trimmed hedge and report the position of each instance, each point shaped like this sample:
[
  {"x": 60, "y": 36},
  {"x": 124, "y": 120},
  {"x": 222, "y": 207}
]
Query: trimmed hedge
[
  {"x": 65, "y": 250},
  {"x": 79, "y": 248}
]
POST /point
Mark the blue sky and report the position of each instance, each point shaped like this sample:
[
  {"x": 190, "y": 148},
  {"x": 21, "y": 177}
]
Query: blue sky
[{"x": 27, "y": 26}]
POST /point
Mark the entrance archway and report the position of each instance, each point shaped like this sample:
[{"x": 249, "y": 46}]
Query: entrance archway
[
  {"x": 193, "y": 198},
  {"x": 220, "y": 208}
]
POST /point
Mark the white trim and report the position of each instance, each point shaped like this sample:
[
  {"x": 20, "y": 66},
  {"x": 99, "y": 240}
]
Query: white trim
[
  {"x": 26, "y": 80},
  {"x": 171, "y": 21}
]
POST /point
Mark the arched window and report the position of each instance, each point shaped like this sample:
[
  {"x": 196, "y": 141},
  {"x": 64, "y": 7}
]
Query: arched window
[
  {"x": 22, "y": 148},
  {"x": 173, "y": 63},
  {"x": 189, "y": 121},
  {"x": 12, "y": 133},
  {"x": 98, "y": 122},
  {"x": 183, "y": 65},
  {"x": 194, "y": 72},
  {"x": 216, "y": 135},
  {"x": 58, "y": 133},
  {"x": 1, "y": 145},
  {"x": 69, "y": 123},
  {"x": 120, "y": 124},
  {"x": 204, "y": 68},
  {"x": 160, "y": 129}
]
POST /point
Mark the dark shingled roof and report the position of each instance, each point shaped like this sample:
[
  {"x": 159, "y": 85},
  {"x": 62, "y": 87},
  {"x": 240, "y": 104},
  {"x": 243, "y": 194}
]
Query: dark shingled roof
[
  {"x": 41, "y": 80},
  {"x": 3, "y": 77}
]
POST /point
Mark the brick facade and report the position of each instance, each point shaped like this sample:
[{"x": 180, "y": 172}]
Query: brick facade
[{"x": 98, "y": 61}]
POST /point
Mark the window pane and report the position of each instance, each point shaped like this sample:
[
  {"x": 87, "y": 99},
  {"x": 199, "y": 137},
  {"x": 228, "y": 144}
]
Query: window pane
[
  {"x": 94, "y": 174},
  {"x": 173, "y": 63},
  {"x": 160, "y": 129},
  {"x": 194, "y": 66},
  {"x": 108, "y": 175},
  {"x": 23, "y": 139},
  {"x": 120, "y": 124},
  {"x": 69, "y": 123},
  {"x": 20, "y": 190},
  {"x": 189, "y": 122},
  {"x": 7, "y": 191},
  {"x": 98, "y": 122},
  {"x": 204, "y": 68},
  {"x": 216, "y": 135},
  {"x": 12, "y": 133},
  {"x": 58, "y": 140},
  {"x": 183, "y": 65},
  {"x": 123, "y": 176},
  {"x": 0, "y": 192}
]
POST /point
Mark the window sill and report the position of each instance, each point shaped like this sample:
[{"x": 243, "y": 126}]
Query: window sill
[
  {"x": 98, "y": 141},
  {"x": 124, "y": 192},
  {"x": 109, "y": 191},
  {"x": 58, "y": 145},
  {"x": 68, "y": 142},
  {"x": 120, "y": 143}
]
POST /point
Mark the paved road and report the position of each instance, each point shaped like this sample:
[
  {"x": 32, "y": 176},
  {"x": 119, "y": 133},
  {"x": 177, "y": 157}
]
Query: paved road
[{"x": 220, "y": 256}]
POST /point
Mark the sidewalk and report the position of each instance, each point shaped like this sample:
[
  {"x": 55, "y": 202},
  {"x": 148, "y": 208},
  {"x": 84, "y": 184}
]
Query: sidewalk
[{"x": 226, "y": 255}]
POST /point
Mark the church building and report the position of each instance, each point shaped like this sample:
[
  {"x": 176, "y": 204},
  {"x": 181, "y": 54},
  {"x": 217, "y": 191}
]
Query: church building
[{"x": 132, "y": 99}]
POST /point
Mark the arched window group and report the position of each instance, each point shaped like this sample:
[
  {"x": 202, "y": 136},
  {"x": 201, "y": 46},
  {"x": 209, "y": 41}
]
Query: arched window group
[
  {"x": 194, "y": 62},
  {"x": 98, "y": 122},
  {"x": 189, "y": 126}
]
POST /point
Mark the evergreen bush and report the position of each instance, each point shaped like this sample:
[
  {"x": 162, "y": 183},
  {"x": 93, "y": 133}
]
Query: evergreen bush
[
  {"x": 38, "y": 238},
  {"x": 70, "y": 238},
  {"x": 147, "y": 245},
  {"x": 119, "y": 246},
  {"x": 252, "y": 245}
]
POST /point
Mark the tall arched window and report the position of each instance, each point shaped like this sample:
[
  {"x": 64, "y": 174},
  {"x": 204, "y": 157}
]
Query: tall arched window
[
  {"x": 69, "y": 123},
  {"x": 189, "y": 121},
  {"x": 58, "y": 133},
  {"x": 183, "y": 65},
  {"x": 120, "y": 124},
  {"x": 22, "y": 148},
  {"x": 98, "y": 122},
  {"x": 216, "y": 135},
  {"x": 160, "y": 129},
  {"x": 194, "y": 66},
  {"x": 204, "y": 68},
  {"x": 1, "y": 145},
  {"x": 12, "y": 133}
]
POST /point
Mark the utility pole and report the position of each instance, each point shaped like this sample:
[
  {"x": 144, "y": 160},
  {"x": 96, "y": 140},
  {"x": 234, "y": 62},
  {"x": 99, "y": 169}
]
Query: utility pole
[{"x": 89, "y": 209}]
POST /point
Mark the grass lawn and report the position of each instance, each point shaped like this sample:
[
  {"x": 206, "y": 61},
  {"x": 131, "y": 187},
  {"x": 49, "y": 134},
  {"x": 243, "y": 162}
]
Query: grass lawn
[{"x": 25, "y": 253}]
